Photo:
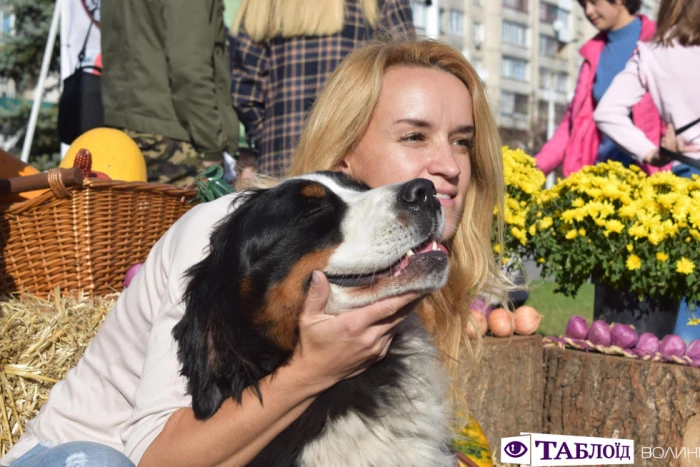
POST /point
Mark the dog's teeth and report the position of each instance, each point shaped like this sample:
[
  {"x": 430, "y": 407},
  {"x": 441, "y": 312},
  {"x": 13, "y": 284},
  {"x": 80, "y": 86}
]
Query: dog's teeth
[
  {"x": 434, "y": 245},
  {"x": 410, "y": 253}
]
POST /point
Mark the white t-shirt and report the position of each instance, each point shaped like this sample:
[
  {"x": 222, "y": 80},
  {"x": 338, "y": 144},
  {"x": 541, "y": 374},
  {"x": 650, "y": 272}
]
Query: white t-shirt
[{"x": 128, "y": 383}]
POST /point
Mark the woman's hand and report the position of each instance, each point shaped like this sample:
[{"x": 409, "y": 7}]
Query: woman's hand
[
  {"x": 335, "y": 347},
  {"x": 672, "y": 142}
]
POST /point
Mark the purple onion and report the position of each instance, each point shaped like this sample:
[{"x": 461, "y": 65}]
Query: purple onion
[
  {"x": 623, "y": 335},
  {"x": 672, "y": 344},
  {"x": 693, "y": 350},
  {"x": 479, "y": 304},
  {"x": 647, "y": 344},
  {"x": 599, "y": 334},
  {"x": 576, "y": 328}
]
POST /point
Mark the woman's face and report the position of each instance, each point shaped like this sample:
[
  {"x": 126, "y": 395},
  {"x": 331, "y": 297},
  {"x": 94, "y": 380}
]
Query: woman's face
[
  {"x": 422, "y": 127},
  {"x": 606, "y": 16}
]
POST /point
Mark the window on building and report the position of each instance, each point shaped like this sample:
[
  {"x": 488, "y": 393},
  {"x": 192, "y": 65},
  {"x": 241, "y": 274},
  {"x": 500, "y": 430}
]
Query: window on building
[
  {"x": 420, "y": 13},
  {"x": 545, "y": 78},
  {"x": 560, "y": 81},
  {"x": 477, "y": 33},
  {"x": 514, "y": 33},
  {"x": 513, "y": 103},
  {"x": 520, "y": 5},
  {"x": 514, "y": 68},
  {"x": 456, "y": 25},
  {"x": 548, "y": 46},
  {"x": 550, "y": 13}
]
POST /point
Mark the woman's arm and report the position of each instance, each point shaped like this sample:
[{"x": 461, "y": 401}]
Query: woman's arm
[
  {"x": 613, "y": 112},
  {"x": 331, "y": 348}
]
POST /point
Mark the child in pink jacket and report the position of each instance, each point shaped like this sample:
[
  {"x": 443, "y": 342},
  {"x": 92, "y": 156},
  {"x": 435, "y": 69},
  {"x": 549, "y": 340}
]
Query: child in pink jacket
[
  {"x": 668, "y": 68},
  {"x": 577, "y": 141}
]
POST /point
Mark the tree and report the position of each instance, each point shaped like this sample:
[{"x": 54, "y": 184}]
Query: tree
[{"x": 21, "y": 54}]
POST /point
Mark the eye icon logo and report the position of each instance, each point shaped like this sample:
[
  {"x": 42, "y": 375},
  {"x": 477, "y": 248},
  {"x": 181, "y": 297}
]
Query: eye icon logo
[{"x": 515, "y": 449}]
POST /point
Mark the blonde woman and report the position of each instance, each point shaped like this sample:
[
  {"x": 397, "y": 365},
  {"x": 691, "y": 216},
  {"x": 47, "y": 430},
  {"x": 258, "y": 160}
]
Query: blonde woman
[
  {"x": 282, "y": 53},
  {"x": 390, "y": 113}
]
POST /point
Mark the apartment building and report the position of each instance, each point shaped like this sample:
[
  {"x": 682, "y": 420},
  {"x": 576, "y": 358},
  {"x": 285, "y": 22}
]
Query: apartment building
[{"x": 526, "y": 52}]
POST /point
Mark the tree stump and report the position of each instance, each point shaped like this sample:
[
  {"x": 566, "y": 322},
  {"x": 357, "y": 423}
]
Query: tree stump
[
  {"x": 505, "y": 392},
  {"x": 655, "y": 404}
]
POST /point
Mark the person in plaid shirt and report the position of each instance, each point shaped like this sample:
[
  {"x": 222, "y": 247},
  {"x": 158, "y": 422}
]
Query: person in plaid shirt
[{"x": 282, "y": 53}]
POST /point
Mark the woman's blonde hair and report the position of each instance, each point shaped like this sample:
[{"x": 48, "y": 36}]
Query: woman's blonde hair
[
  {"x": 679, "y": 20},
  {"x": 337, "y": 122},
  {"x": 265, "y": 19}
]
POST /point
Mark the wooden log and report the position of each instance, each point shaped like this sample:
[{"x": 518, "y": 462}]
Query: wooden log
[
  {"x": 506, "y": 390},
  {"x": 70, "y": 177},
  {"x": 655, "y": 404}
]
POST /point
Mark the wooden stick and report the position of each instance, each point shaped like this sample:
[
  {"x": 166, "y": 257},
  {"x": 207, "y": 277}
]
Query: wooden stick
[{"x": 70, "y": 177}]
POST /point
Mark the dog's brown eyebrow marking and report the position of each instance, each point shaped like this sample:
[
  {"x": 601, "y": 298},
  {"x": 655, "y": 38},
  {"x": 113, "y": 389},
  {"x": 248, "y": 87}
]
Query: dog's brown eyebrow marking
[
  {"x": 313, "y": 190},
  {"x": 284, "y": 300}
]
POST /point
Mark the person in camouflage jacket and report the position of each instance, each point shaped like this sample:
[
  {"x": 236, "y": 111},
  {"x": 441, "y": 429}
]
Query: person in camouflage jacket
[{"x": 166, "y": 82}]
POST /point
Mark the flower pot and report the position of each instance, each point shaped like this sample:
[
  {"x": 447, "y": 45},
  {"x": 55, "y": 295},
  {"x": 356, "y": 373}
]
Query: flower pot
[{"x": 653, "y": 314}]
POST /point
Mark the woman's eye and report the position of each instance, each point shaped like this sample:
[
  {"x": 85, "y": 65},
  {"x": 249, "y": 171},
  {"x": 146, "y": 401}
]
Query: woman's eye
[
  {"x": 413, "y": 137},
  {"x": 467, "y": 143}
]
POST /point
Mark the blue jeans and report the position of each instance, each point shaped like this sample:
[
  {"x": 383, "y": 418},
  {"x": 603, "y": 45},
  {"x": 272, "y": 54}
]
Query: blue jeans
[
  {"x": 687, "y": 333},
  {"x": 73, "y": 454}
]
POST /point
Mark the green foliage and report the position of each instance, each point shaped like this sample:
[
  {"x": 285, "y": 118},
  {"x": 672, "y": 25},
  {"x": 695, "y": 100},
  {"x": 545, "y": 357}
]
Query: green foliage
[
  {"x": 22, "y": 53},
  {"x": 20, "y": 59}
]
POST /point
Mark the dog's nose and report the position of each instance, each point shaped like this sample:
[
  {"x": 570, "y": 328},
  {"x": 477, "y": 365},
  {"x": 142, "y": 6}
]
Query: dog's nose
[{"x": 417, "y": 193}]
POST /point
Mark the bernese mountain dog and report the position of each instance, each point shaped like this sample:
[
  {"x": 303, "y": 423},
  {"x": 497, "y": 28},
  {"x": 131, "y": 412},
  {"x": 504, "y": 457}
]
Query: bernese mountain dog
[{"x": 243, "y": 303}]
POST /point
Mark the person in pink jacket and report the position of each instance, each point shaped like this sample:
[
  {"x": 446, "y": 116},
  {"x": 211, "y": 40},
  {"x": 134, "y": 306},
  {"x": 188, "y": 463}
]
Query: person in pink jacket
[
  {"x": 577, "y": 141},
  {"x": 668, "y": 68}
]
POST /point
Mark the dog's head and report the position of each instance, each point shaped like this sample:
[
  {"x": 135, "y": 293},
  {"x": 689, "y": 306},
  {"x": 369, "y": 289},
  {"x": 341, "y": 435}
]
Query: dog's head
[{"x": 243, "y": 300}]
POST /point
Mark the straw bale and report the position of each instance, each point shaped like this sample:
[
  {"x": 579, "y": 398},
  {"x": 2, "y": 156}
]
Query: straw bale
[{"x": 40, "y": 340}]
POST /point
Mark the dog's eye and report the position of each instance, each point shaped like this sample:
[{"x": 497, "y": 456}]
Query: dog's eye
[{"x": 318, "y": 210}]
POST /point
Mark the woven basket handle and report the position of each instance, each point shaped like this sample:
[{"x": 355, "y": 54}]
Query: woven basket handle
[{"x": 55, "y": 179}]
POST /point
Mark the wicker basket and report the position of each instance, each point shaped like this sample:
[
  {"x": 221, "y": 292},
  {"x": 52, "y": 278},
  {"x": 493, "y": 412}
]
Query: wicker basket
[{"x": 84, "y": 237}]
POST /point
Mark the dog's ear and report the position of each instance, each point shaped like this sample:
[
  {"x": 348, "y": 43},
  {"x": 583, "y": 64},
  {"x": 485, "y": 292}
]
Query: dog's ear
[{"x": 220, "y": 349}]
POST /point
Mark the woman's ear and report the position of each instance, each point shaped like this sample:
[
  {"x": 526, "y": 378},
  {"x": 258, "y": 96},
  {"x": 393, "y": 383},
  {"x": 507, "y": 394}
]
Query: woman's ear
[{"x": 344, "y": 166}]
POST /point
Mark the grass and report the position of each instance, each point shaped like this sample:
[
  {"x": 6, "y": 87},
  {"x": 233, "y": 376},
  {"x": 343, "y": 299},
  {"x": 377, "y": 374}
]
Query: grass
[{"x": 556, "y": 308}]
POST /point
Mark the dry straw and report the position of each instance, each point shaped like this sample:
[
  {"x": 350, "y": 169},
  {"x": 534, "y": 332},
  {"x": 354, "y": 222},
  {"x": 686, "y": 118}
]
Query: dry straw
[{"x": 40, "y": 340}]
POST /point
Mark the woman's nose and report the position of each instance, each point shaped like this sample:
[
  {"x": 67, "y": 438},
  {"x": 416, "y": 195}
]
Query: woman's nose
[{"x": 443, "y": 162}]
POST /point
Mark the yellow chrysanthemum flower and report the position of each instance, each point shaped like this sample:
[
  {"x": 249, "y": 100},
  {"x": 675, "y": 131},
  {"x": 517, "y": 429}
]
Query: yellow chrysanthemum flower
[
  {"x": 614, "y": 225},
  {"x": 582, "y": 232},
  {"x": 571, "y": 234},
  {"x": 685, "y": 266},
  {"x": 630, "y": 247},
  {"x": 546, "y": 223},
  {"x": 633, "y": 262},
  {"x": 661, "y": 256}
]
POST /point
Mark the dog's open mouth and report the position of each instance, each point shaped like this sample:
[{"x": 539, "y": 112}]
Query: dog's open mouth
[{"x": 421, "y": 254}]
